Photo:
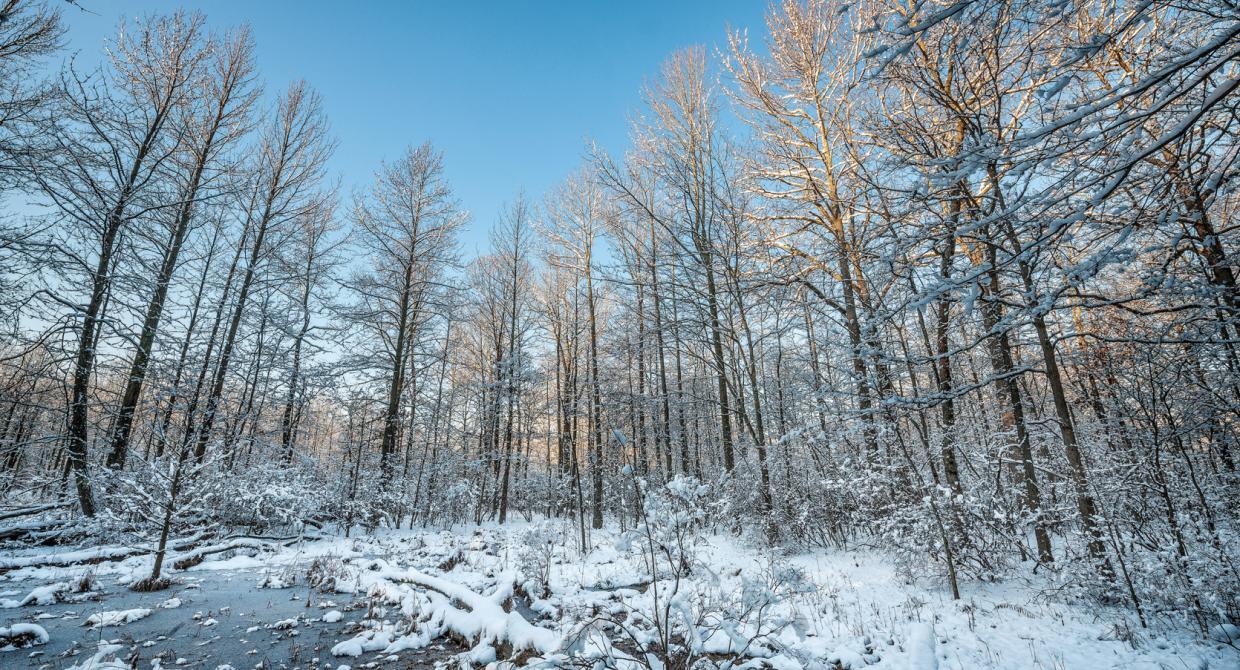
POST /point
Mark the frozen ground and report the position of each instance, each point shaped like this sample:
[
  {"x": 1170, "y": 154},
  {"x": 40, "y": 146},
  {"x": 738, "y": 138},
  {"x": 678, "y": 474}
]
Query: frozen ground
[{"x": 425, "y": 599}]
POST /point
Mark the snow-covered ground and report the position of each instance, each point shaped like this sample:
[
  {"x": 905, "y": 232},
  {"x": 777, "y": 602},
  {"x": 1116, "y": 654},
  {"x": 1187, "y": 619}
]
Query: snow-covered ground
[{"x": 472, "y": 596}]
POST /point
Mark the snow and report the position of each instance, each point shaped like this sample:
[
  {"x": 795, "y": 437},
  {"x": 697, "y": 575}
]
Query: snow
[
  {"x": 1226, "y": 633},
  {"x": 43, "y": 595},
  {"x": 101, "y": 661},
  {"x": 854, "y": 610},
  {"x": 65, "y": 558},
  {"x": 486, "y": 617},
  {"x": 117, "y": 617},
  {"x": 9, "y": 636},
  {"x": 921, "y": 648},
  {"x": 371, "y": 641}
]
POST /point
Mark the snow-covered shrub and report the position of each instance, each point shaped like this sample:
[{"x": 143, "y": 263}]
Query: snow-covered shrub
[
  {"x": 325, "y": 573},
  {"x": 917, "y": 534},
  {"x": 455, "y": 503},
  {"x": 668, "y": 538},
  {"x": 178, "y": 491},
  {"x": 266, "y": 495},
  {"x": 671, "y": 527},
  {"x": 827, "y": 513},
  {"x": 686, "y": 612},
  {"x": 535, "y": 547}
]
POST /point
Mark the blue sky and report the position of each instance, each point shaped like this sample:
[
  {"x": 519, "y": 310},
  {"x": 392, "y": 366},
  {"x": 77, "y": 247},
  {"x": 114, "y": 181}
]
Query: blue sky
[{"x": 508, "y": 91}]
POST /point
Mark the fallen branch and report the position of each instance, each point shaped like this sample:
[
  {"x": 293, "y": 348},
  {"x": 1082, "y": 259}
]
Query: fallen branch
[
  {"x": 184, "y": 559},
  {"x": 192, "y": 558},
  {"x": 36, "y": 529}
]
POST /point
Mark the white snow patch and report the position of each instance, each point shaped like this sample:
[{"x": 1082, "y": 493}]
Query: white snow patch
[
  {"x": 43, "y": 595},
  {"x": 374, "y": 640},
  {"x": 116, "y": 617},
  {"x": 921, "y": 648}
]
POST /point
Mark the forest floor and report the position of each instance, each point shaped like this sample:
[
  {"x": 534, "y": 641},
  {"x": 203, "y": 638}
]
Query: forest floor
[{"x": 332, "y": 602}]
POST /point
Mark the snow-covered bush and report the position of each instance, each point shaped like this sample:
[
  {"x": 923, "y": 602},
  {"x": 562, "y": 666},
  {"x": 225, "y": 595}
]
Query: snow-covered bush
[
  {"x": 165, "y": 489},
  {"x": 671, "y": 526},
  {"x": 918, "y": 533},
  {"x": 214, "y": 494},
  {"x": 828, "y": 512},
  {"x": 268, "y": 494},
  {"x": 686, "y": 612},
  {"x": 668, "y": 537},
  {"x": 535, "y": 548}
]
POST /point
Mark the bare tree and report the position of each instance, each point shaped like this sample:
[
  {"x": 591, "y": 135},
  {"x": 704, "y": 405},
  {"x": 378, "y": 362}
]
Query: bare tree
[
  {"x": 407, "y": 225},
  {"x": 288, "y": 168},
  {"x": 111, "y": 141},
  {"x": 218, "y": 117}
]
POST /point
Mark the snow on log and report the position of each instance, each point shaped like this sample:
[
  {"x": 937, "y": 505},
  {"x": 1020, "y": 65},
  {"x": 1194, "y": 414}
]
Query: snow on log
[
  {"x": 484, "y": 619},
  {"x": 41, "y": 595},
  {"x": 15, "y": 512},
  {"x": 80, "y": 557},
  {"x": 22, "y": 635},
  {"x": 90, "y": 556},
  {"x": 375, "y": 640},
  {"x": 99, "y": 660},
  {"x": 192, "y": 558},
  {"x": 42, "y": 530}
]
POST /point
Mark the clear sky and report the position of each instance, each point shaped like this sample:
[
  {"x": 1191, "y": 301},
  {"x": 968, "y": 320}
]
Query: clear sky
[{"x": 508, "y": 91}]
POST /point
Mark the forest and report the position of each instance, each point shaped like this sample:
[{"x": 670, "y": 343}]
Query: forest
[{"x": 896, "y": 325}]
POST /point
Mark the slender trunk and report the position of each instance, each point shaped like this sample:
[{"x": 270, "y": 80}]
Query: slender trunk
[
  {"x": 287, "y": 427},
  {"x": 716, "y": 343},
  {"x": 230, "y": 337},
  {"x": 1000, "y": 349},
  {"x": 396, "y": 384},
  {"x": 943, "y": 364},
  {"x": 1067, "y": 432},
  {"x": 665, "y": 434},
  {"x": 510, "y": 372},
  {"x": 596, "y": 408},
  {"x": 643, "y": 464},
  {"x": 161, "y": 436}
]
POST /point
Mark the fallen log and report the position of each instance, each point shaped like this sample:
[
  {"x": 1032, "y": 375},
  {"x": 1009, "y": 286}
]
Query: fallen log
[
  {"x": 26, "y": 511},
  {"x": 185, "y": 557},
  {"x": 91, "y": 556},
  {"x": 190, "y": 559},
  {"x": 81, "y": 557},
  {"x": 29, "y": 529}
]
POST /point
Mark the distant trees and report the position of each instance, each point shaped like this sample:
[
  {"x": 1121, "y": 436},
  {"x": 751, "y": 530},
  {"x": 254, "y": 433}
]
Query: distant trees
[{"x": 575, "y": 217}]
